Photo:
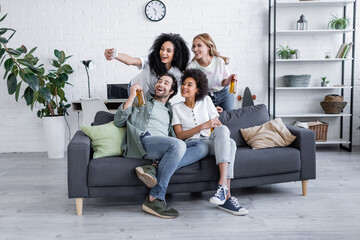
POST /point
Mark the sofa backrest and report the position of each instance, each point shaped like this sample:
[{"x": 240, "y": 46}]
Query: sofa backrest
[
  {"x": 103, "y": 117},
  {"x": 243, "y": 118},
  {"x": 234, "y": 119}
]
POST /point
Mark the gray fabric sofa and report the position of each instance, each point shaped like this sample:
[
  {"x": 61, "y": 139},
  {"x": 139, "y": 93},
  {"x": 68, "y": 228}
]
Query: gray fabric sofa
[{"x": 115, "y": 176}]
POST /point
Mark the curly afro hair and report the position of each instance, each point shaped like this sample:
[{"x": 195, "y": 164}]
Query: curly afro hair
[
  {"x": 181, "y": 53},
  {"x": 201, "y": 82}
]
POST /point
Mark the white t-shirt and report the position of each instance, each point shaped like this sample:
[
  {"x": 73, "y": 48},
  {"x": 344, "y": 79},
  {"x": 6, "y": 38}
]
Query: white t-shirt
[
  {"x": 215, "y": 72},
  {"x": 203, "y": 111},
  {"x": 148, "y": 80}
]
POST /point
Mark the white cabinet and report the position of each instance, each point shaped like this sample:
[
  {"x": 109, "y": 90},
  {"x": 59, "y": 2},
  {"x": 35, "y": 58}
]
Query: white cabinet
[{"x": 303, "y": 103}]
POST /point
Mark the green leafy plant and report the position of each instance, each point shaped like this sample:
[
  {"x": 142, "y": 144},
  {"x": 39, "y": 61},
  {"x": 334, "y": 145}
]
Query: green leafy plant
[
  {"x": 24, "y": 76},
  {"x": 323, "y": 79},
  {"x": 338, "y": 23},
  {"x": 285, "y": 52}
]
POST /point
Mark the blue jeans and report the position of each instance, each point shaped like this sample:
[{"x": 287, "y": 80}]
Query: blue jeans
[
  {"x": 223, "y": 98},
  {"x": 128, "y": 88},
  {"x": 195, "y": 150},
  {"x": 170, "y": 151},
  {"x": 222, "y": 147}
]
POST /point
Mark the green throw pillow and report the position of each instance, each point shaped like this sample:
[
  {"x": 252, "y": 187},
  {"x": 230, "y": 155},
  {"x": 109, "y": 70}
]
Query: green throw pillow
[{"x": 105, "y": 139}]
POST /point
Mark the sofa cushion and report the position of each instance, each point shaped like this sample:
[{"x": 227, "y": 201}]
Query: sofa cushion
[
  {"x": 243, "y": 118},
  {"x": 106, "y": 139},
  {"x": 103, "y": 117},
  {"x": 114, "y": 171},
  {"x": 270, "y": 134},
  {"x": 120, "y": 171},
  {"x": 267, "y": 161}
]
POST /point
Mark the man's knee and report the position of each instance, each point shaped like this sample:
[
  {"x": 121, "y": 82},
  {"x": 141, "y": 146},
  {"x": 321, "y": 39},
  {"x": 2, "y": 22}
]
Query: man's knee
[{"x": 179, "y": 146}]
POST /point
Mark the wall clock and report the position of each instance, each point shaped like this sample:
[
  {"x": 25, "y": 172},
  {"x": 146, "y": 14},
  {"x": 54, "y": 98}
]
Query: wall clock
[{"x": 155, "y": 10}]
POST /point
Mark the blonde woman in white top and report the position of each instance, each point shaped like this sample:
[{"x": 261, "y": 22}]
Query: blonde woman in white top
[
  {"x": 208, "y": 60},
  {"x": 193, "y": 121}
]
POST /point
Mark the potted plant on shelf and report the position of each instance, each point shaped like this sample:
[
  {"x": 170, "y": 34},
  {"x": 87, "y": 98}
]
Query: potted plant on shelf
[
  {"x": 324, "y": 82},
  {"x": 286, "y": 52},
  {"x": 338, "y": 23},
  {"x": 292, "y": 53},
  {"x": 26, "y": 78}
]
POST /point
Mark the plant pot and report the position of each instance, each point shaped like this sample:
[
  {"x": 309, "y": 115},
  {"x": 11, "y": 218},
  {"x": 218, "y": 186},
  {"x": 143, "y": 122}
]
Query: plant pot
[
  {"x": 293, "y": 56},
  {"x": 323, "y": 84},
  {"x": 54, "y": 131},
  {"x": 339, "y": 26}
]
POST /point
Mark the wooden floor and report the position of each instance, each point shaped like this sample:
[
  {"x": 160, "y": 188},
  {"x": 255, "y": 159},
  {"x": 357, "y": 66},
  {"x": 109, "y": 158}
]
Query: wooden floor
[{"x": 34, "y": 205}]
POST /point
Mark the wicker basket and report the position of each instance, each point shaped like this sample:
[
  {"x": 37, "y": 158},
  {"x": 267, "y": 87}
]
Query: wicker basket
[
  {"x": 320, "y": 131},
  {"x": 333, "y": 107}
]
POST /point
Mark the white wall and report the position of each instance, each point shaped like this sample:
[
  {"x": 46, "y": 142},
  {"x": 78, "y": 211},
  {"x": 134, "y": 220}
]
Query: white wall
[{"x": 84, "y": 28}]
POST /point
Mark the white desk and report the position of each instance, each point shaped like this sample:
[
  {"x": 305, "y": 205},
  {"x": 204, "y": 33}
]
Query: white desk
[{"x": 111, "y": 104}]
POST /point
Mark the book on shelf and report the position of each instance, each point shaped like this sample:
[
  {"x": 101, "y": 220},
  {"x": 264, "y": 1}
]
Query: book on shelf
[
  {"x": 344, "y": 50},
  {"x": 347, "y": 50},
  {"x": 341, "y": 50}
]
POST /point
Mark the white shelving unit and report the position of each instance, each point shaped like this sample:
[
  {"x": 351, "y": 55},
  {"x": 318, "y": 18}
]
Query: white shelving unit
[
  {"x": 334, "y": 3},
  {"x": 334, "y": 142},
  {"x": 312, "y": 88},
  {"x": 314, "y": 60},
  {"x": 311, "y": 115},
  {"x": 275, "y": 64},
  {"x": 312, "y": 31}
]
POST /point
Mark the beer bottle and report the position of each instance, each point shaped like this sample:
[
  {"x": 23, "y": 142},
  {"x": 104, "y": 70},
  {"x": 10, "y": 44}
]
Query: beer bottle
[
  {"x": 141, "y": 97},
  {"x": 233, "y": 85}
]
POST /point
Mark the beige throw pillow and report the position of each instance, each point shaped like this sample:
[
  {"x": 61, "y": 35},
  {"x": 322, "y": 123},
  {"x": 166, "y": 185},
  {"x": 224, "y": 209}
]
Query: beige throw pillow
[{"x": 270, "y": 134}]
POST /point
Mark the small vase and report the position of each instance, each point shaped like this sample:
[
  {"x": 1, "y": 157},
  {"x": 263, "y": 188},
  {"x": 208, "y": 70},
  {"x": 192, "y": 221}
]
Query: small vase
[
  {"x": 323, "y": 84},
  {"x": 292, "y": 56}
]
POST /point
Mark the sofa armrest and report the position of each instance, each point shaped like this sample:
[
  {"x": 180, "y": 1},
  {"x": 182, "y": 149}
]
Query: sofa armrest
[
  {"x": 78, "y": 157},
  {"x": 306, "y": 143}
]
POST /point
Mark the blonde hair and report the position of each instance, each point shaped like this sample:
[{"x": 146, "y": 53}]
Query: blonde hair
[{"x": 205, "y": 37}]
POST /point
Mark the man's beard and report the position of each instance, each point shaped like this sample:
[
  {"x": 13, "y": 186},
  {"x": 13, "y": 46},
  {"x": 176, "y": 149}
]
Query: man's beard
[{"x": 163, "y": 95}]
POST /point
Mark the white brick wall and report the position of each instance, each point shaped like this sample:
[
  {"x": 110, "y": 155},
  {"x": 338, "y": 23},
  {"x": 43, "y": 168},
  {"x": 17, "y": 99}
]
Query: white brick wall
[{"x": 84, "y": 28}]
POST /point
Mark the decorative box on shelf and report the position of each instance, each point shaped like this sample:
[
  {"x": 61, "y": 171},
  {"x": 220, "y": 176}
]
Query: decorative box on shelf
[{"x": 320, "y": 128}]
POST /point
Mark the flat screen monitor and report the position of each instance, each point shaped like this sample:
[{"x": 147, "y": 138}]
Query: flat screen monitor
[{"x": 117, "y": 91}]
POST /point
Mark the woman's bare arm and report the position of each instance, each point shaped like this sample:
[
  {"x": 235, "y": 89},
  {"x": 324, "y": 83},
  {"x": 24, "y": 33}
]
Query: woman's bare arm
[{"x": 122, "y": 57}]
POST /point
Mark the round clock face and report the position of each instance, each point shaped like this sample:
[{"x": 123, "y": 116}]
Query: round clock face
[{"x": 155, "y": 10}]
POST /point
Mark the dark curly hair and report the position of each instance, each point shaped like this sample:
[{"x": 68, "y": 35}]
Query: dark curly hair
[
  {"x": 174, "y": 85},
  {"x": 181, "y": 53},
  {"x": 201, "y": 82}
]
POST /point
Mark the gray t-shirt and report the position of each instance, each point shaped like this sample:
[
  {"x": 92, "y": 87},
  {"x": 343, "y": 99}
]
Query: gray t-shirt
[
  {"x": 147, "y": 79},
  {"x": 159, "y": 120}
]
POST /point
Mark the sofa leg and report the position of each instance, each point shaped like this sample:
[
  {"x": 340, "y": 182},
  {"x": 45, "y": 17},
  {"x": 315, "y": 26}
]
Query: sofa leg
[
  {"x": 79, "y": 206},
  {"x": 304, "y": 187}
]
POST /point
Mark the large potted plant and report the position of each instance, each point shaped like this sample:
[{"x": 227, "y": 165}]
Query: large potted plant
[{"x": 28, "y": 79}]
